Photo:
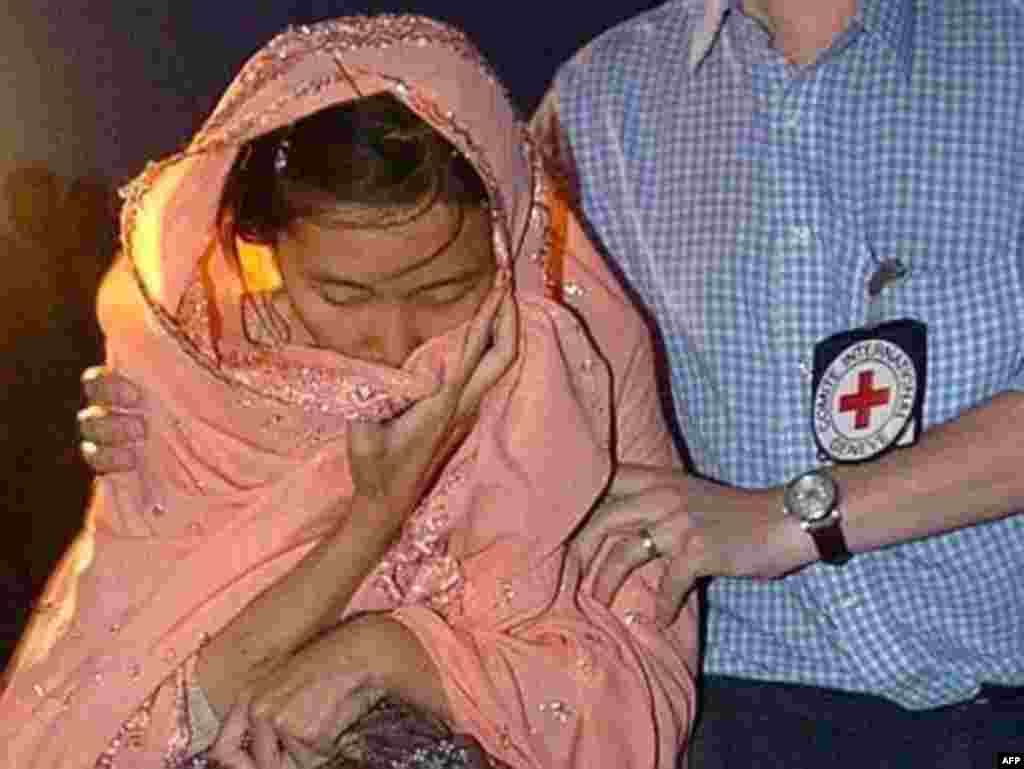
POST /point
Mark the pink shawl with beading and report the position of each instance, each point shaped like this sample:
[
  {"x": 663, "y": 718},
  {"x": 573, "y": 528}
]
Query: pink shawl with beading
[{"x": 246, "y": 453}]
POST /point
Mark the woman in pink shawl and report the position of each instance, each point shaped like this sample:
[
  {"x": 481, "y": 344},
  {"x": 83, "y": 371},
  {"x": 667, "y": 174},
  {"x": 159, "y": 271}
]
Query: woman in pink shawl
[{"x": 285, "y": 443}]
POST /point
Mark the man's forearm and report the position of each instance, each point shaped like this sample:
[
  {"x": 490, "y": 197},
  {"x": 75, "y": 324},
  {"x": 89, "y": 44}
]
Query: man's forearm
[{"x": 964, "y": 472}]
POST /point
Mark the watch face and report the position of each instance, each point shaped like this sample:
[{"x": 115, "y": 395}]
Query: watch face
[{"x": 811, "y": 496}]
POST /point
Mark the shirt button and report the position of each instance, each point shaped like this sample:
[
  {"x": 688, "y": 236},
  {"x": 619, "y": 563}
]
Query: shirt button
[
  {"x": 806, "y": 370},
  {"x": 888, "y": 272},
  {"x": 850, "y": 602}
]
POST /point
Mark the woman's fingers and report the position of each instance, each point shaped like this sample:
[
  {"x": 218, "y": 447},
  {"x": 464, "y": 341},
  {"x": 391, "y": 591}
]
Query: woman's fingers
[
  {"x": 315, "y": 697},
  {"x": 266, "y": 746},
  {"x": 302, "y": 755},
  {"x": 482, "y": 328},
  {"x": 246, "y": 741},
  {"x": 109, "y": 435},
  {"x": 492, "y": 363},
  {"x": 403, "y": 455},
  {"x": 229, "y": 749},
  {"x": 107, "y": 428},
  {"x": 106, "y": 460},
  {"x": 103, "y": 387},
  {"x": 109, "y": 439},
  {"x": 481, "y": 337}
]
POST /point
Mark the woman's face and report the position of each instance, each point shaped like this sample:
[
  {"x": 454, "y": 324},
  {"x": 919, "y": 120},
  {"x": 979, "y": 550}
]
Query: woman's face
[{"x": 378, "y": 294}]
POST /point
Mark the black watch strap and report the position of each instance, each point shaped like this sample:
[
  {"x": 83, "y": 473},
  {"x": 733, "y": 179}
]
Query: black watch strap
[{"x": 831, "y": 544}]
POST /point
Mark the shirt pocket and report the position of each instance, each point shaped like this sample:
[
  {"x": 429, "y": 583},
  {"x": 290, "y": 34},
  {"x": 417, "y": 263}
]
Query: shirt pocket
[{"x": 971, "y": 308}]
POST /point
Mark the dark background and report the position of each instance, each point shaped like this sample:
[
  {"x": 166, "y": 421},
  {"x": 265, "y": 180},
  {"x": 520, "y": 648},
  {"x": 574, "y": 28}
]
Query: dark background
[{"x": 91, "y": 90}]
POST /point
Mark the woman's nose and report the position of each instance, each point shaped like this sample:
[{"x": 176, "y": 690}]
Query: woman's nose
[{"x": 390, "y": 337}]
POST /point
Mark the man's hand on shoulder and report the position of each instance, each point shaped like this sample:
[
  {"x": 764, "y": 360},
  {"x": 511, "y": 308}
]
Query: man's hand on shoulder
[
  {"x": 702, "y": 528},
  {"x": 110, "y": 426}
]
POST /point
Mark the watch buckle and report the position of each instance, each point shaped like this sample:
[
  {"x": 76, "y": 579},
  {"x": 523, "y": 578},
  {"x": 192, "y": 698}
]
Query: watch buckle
[{"x": 821, "y": 523}]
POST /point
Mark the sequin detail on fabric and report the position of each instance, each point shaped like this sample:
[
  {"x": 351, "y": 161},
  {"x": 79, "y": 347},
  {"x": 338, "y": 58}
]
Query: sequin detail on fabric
[
  {"x": 332, "y": 38},
  {"x": 418, "y": 568},
  {"x": 131, "y": 735},
  {"x": 181, "y": 739}
]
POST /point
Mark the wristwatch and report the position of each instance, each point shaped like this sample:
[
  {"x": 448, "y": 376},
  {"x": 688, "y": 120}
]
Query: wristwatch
[{"x": 813, "y": 498}]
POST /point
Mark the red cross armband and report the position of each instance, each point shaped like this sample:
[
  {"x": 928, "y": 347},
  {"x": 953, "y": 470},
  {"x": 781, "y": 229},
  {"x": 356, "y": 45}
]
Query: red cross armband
[{"x": 868, "y": 390}]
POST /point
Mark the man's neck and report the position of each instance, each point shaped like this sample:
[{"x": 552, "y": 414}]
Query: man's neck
[{"x": 801, "y": 29}]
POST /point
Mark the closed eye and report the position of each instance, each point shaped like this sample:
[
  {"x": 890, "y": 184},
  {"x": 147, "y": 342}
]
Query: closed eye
[
  {"x": 446, "y": 293},
  {"x": 341, "y": 295}
]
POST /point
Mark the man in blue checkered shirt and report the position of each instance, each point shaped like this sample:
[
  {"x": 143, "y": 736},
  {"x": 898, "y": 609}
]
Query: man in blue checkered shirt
[{"x": 820, "y": 204}]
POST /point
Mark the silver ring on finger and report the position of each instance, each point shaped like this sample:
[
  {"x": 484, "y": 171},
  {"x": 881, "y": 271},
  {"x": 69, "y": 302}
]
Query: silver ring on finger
[{"x": 651, "y": 551}]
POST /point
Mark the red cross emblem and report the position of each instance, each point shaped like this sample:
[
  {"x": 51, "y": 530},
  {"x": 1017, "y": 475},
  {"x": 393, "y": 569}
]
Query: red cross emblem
[{"x": 864, "y": 400}]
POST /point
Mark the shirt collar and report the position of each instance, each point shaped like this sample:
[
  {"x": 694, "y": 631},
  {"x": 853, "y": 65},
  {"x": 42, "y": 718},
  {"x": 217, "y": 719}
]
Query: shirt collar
[
  {"x": 891, "y": 20},
  {"x": 708, "y": 29}
]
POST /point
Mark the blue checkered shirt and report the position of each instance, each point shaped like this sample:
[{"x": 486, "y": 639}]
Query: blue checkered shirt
[{"x": 748, "y": 202}]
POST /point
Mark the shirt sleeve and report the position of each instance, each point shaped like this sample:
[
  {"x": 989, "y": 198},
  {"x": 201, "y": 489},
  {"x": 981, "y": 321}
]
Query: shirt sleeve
[{"x": 1017, "y": 382}]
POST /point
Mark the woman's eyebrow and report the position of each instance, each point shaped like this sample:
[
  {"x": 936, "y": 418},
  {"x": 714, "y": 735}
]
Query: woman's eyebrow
[
  {"x": 334, "y": 280},
  {"x": 459, "y": 277},
  {"x": 321, "y": 276}
]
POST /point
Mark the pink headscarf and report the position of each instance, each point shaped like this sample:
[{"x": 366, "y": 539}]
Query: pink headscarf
[{"x": 246, "y": 449}]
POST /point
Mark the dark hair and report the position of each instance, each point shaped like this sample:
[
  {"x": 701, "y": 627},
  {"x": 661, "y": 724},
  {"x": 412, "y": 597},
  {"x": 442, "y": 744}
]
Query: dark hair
[{"x": 369, "y": 163}]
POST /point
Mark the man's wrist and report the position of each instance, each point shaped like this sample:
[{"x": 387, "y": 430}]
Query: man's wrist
[
  {"x": 814, "y": 501},
  {"x": 794, "y": 547}
]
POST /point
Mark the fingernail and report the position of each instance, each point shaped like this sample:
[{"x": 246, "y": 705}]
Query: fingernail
[
  {"x": 92, "y": 412},
  {"x": 89, "y": 448},
  {"x": 92, "y": 373}
]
